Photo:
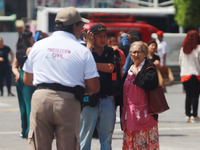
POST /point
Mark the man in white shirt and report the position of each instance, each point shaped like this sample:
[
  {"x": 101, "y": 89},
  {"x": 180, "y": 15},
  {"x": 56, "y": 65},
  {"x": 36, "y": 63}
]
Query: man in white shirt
[
  {"x": 162, "y": 49},
  {"x": 62, "y": 69}
]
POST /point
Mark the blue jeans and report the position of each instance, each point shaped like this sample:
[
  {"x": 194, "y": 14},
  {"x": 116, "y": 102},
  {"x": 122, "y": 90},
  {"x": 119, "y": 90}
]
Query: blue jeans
[{"x": 103, "y": 116}]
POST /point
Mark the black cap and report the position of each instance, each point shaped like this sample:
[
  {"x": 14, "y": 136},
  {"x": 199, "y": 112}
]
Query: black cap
[{"x": 97, "y": 28}]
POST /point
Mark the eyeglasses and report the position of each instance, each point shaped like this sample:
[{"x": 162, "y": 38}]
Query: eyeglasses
[{"x": 135, "y": 52}]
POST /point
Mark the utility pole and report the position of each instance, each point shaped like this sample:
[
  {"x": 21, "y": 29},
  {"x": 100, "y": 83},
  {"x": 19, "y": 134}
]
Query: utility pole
[
  {"x": 155, "y": 3},
  {"x": 62, "y": 3},
  {"x": 30, "y": 7},
  {"x": 92, "y": 3}
]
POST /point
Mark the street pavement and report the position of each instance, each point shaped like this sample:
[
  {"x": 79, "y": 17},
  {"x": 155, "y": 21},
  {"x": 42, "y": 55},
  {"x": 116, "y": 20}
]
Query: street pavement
[{"x": 175, "y": 134}]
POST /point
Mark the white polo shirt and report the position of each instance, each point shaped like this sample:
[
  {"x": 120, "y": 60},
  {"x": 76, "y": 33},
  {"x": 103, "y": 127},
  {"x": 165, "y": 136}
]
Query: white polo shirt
[
  {"x": 60, "y": 59},
  {"x": 162, "y": 49}
]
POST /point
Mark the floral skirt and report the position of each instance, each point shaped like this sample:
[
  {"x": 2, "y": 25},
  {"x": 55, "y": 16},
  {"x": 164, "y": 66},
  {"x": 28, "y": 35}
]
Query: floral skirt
[{"x": 147, "y": 139}]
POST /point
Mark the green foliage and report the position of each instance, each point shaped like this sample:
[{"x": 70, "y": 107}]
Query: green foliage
[{"x": 187, "y": 13}]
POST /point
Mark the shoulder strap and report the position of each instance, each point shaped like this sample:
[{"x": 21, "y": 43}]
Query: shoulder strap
[{"x": 148, "y": 68}]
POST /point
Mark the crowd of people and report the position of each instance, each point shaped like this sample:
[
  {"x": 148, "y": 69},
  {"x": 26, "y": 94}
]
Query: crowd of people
[{"x": 67, "y": 91}]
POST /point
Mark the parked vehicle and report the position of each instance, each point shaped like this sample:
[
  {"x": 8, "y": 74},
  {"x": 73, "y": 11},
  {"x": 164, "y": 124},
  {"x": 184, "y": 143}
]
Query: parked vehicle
[{"x": 115, "y": 21}]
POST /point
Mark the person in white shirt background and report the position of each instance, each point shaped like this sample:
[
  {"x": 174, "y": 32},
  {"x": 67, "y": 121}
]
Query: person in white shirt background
[{"x": 162, "y": 48}]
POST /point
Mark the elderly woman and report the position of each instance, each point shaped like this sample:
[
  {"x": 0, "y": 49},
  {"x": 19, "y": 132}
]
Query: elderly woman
[{"x": 140, "y": 128}]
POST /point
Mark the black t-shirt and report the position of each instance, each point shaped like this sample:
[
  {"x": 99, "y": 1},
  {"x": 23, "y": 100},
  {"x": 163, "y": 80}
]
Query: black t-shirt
[
  {"x": 105, "y": 78},
  {"x": 155, "y": 57},
  {"x": 4, "y": 53}
]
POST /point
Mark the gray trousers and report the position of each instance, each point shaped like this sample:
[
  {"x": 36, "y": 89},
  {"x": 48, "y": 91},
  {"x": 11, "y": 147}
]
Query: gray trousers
[{"x": 54, "y": 112}]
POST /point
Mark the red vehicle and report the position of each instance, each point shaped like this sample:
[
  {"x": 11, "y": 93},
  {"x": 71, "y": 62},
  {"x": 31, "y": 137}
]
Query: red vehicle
[{"x": 116, "y": 23}]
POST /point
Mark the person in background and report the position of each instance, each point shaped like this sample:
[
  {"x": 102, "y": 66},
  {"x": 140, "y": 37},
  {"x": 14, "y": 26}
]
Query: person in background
[
  {"x": 119, "y": 40},
  {"x": 140, "y": 128},
  {"x": 190, "y": 74},
  {"x": 27, "y": 26},
  {"x": 63, "y": 70},
  {"x": 152, "y": 57},
  {"x": 24, "y": 92},
  {"x": 102, "y": 115},
  {"x": 127, "y": 39},
  {"x": 40, "y": 35},
  {"x": 162, "y": 48},
  {"x": 119, "y": 63},
  {"x": 5, "y": 67},
  {"x": 120, "y": 59}
]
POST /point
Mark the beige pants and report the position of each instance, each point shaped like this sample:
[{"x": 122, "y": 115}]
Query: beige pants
[{"x": 54, "y": 112}]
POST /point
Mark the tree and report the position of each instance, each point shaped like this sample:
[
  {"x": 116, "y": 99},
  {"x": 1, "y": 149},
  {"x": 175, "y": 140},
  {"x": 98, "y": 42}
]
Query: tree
[{"x": 187, "y": 13}]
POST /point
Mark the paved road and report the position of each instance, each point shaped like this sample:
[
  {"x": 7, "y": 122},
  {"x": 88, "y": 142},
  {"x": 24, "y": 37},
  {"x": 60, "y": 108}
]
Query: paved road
[{"x": 175, "y": 134}]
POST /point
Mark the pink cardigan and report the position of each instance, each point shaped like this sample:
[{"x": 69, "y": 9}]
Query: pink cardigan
[{"x": 135, "y": 107}]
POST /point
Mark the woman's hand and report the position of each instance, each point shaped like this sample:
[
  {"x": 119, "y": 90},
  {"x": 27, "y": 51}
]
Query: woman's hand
[
  {"x": 115, "y": 47},
  {"x": 15, "y": 69},
  {"x": 17, "y": 77},
  {"x": 134, "y": 69}
]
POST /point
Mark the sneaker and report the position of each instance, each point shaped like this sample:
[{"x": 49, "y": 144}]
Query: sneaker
[
  {"x": 117, "y": 120},
  {"x": 11, "y": 94},
  {"x": 20, "y": 135},
  {"x": 187, "y": 119},
  {"x": 194, "y": 119}
]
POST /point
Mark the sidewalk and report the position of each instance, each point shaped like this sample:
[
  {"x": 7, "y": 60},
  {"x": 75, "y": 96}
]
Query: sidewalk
[{"x": 175, "y": 134}]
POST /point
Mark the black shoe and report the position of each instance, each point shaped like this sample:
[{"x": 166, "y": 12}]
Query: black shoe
[{"x": 11, "y": 94}]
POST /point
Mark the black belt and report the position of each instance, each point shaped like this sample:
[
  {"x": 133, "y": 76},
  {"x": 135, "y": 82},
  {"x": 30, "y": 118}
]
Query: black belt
[{"x": 55, "y": 87}]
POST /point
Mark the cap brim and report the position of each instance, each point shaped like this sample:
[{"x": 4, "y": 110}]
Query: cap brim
[{"x": 85, "y": 20}]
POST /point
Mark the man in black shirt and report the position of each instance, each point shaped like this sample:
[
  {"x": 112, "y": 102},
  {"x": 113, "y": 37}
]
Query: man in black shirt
[
  {"x": 5, "y": 68},
  {"x": 103, "y": 114}
]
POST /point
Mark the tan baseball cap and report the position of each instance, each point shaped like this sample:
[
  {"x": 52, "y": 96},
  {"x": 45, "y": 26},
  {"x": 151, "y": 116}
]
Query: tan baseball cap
[{"x": 69, "y": 15}]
